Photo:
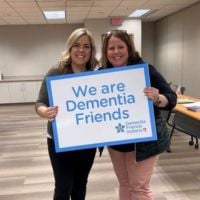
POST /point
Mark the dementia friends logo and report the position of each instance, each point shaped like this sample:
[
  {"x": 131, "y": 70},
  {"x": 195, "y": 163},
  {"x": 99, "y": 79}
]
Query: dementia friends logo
[
  {"x": 120, "y": 128},
  {"x": 132, "y": 127}
]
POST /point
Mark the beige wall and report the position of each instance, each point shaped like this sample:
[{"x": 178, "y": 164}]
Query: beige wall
[
  {"x": 148, "y": 42},
  {"x": 32, "y": 50},
  {"x": 177, "y": 49},
  {"x": 100, "y": 26}
]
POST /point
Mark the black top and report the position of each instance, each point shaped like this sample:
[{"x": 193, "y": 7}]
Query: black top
[
  {"x": 147, "y": 149},
  {"x": 43, "y": 96}
]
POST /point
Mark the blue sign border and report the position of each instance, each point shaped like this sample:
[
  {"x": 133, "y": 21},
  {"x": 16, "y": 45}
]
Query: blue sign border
[{"x": 91, "y": 73}]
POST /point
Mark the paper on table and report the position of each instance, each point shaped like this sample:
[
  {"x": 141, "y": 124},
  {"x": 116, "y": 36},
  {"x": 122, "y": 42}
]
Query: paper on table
[
  {"x": 184, "y": 100},
  {"x": 193, "y": 106}
]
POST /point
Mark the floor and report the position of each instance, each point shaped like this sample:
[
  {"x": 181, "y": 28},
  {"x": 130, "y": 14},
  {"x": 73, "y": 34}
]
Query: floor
[{"x": 25, "y": 171}]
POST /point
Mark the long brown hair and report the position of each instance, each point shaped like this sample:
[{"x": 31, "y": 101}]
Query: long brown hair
[{"x": 125, "y": 37}]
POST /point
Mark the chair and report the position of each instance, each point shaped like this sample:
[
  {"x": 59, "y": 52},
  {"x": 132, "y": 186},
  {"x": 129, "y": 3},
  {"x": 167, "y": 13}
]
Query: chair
[
  {"x": 167, "y": 116},
  {"x": 171, "y": 120},
  {"x": 182, "y": 90},
  {"x": 178, "y": 124}
]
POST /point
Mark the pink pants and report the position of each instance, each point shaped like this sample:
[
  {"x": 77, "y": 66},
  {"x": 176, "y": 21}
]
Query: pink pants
[{"x": 134, "y": 177}]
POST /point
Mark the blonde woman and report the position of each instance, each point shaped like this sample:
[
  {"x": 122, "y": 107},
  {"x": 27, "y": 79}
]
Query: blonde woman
[{"x": 71, "y": 169}]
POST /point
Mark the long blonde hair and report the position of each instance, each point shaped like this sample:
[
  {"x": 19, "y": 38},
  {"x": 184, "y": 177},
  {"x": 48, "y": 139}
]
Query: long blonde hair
[{"x": 65, "y": 62}]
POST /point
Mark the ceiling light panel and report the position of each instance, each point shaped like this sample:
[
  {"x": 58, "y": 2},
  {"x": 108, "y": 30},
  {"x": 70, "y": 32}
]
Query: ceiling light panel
[
  {"x": 139, "y": 13},
  {"x": 54, "y": 14}
]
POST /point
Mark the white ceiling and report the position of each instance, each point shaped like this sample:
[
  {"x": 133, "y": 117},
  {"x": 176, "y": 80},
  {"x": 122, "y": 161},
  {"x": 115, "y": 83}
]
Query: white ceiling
[{"x": 14, "y": 12}]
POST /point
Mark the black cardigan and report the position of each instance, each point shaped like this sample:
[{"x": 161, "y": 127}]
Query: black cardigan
[{"x": 145, "y": 150}]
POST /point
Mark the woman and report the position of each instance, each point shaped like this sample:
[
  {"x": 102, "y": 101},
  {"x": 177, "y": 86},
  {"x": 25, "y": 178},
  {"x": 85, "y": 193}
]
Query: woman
[
  {"x": 71, "y": 169},
  {"x": 133, "y": 163}
]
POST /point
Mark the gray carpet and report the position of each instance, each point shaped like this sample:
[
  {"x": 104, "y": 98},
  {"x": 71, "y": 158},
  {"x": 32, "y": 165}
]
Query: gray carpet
[{"x": 25, "y": 171}]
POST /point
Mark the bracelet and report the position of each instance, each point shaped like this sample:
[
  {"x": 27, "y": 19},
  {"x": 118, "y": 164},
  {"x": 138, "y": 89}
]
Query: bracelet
[{"x": 157, "y": 102}]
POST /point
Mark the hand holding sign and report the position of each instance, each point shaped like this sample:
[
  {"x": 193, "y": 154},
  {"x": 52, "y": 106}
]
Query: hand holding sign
[{"x": 101, "y": 113}]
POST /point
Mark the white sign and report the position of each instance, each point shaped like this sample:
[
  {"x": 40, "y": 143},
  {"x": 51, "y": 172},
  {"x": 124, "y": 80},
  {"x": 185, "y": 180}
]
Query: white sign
[{"x": 101, "y": 108}]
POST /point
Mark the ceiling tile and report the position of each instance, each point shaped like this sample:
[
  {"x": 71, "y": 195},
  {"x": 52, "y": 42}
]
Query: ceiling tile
[
  {"x": 133, "y": 2},
  {"x": 4, "y": 4},
  {"x": 23, "y": 4},
  {"x": 33, "y": 9},
  {"x": 112, "y": 3},
  {"x": 15, "y": 20},
  {"x": 59, "y": 21},
  {"x": 79, "y": 10},
  {"x": 80, "y": 3},
  {"x": 51, "y": 4}
]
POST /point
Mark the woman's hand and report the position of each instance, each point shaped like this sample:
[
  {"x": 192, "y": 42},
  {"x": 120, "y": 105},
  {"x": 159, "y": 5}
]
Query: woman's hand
[
  {"x": 158, "y": 99},
  {"x": 48, "y": 112},
  {"x": 152, "y": 93}
]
